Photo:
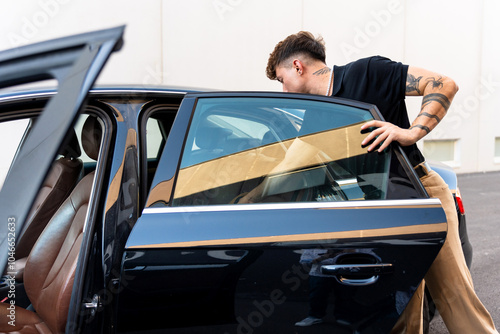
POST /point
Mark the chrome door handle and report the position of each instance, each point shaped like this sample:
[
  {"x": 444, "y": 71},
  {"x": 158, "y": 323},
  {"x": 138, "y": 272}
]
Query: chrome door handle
[{"x": 361, "y": 270}]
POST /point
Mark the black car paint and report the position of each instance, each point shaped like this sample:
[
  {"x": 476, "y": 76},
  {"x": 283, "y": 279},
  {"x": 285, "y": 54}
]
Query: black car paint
[{"x": 160, "y": 308}]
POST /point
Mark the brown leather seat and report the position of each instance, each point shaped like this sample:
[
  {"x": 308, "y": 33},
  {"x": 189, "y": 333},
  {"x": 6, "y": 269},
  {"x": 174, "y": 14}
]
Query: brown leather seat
[
  {"x": 50, "y": 267},
  {"x": 62, "y": 178}
]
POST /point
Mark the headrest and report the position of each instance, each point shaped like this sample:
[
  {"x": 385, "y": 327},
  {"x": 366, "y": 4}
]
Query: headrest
[
  {"x": 71, "y": 146},
  {"x": 91, "y": 137},
  {"x": 211, "y": 137},
  {"x": 268, "y": 138}
]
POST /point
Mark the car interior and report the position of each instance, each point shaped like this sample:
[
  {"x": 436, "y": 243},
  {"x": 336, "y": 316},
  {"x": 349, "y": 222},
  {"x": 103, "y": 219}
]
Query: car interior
[
  {"x": 62, "y": 178},
  {"x": 49, "y": 268}
]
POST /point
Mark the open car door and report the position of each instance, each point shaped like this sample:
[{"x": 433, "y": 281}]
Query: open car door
[
  {"x": 74, "y": 62},
  {"x": 330, "y": 227}
]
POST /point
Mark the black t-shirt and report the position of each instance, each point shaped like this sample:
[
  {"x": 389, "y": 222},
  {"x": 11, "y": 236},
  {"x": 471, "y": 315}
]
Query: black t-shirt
[{"x": 382, "y": 82}]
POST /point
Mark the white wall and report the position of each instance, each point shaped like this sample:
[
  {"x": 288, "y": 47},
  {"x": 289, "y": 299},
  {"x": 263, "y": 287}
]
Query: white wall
[
  {"x": 488, "y": 87},
  {"x": 224, "y": 44}
]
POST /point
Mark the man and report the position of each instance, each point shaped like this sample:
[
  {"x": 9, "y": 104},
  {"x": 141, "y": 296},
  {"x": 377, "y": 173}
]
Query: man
[{"x": 298, "y": 63}]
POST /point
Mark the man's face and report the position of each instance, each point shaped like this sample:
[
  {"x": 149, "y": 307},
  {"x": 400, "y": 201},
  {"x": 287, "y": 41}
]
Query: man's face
[{"x": 290, "y": 79}]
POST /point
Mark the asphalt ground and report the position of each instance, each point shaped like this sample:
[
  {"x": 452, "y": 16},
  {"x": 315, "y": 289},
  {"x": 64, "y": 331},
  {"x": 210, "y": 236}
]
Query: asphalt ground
[{"x": 481, "y": 196}]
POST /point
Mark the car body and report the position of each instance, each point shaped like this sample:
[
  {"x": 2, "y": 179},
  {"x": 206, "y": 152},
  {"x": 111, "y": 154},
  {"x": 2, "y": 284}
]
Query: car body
[
  {"x": 165, "y": 243},
  {"x": 450, "y": 177}
]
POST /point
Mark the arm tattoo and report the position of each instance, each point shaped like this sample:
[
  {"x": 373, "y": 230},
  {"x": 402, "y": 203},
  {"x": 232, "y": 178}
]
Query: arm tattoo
[
  {"x": 322, "y": 71},
  {"x": 430, "y": 116},
  {"x": 439, "y": 98},
  {"x": 423, "y": 127},
  {"x": 412, "y": 83},
  {"x": 436, "y": 83}
]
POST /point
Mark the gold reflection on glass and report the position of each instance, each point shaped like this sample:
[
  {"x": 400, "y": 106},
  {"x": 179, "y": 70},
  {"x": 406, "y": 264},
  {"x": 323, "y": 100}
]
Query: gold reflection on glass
[
  {"x": 160, "y": 193},
  {"x": 278, "y": 158}
]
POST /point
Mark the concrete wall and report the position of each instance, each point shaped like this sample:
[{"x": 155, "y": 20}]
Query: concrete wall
[{"x": 224, "y": 44}]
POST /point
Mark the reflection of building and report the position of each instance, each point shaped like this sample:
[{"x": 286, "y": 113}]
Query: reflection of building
[
  {"x": 234, "y": 33},
  {"x": 310, "y": 165}
]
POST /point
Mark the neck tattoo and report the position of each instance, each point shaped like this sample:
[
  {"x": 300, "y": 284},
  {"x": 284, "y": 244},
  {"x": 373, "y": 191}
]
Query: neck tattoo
[{"x": 329, "y": 83}]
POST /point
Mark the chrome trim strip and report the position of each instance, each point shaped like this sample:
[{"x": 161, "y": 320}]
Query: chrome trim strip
[
  {"x": 185, "y": 267},
  {"x": 431, "y": 202},
  {"x": 129, "y": 90}
]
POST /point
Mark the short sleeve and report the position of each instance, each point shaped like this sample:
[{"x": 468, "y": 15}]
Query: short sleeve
[{"x": 389, "y": 76}]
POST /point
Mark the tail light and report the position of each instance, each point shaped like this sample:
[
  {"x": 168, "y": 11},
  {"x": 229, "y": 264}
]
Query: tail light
[{"x": 460, "y": 203}]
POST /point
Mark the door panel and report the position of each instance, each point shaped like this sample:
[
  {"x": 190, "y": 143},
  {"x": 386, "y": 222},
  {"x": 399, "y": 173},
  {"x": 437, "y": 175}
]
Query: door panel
[
  {"x": 242, "y": 266},
  {"x": 275, "y": 207}
]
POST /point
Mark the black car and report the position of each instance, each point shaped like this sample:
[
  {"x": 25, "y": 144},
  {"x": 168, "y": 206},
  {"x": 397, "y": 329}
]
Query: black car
[{"x": 122, "y": 210}]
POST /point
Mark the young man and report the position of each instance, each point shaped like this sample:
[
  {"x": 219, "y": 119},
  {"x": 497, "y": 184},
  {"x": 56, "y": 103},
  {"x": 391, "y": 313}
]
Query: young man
[{"x": 298, "y": 63}]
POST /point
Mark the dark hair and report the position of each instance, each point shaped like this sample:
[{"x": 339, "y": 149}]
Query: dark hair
[{"x": 303, "y": 43}]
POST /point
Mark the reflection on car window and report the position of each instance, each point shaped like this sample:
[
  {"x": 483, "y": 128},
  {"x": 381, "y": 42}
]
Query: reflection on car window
[{"x": 293, "y": 150}]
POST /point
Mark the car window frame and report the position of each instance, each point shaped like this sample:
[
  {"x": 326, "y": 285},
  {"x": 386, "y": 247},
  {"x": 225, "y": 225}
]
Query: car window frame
[
  {"x": 167, "y": 172},
  {"x": 171, "y": 103}
]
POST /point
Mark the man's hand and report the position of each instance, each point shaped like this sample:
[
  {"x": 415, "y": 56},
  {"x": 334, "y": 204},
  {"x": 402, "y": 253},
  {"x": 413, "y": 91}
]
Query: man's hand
[{"x": 385, "y": 133}]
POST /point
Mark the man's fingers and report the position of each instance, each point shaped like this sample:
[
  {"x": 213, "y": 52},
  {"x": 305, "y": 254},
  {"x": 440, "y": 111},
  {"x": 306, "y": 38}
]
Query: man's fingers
[
  {"x": 371, "y": 136},
  {"x": 370, "y": 124},
  {"x": 384, "y": 134},
  {"x": 386, "y": 143},
  {"x": 377, "y": 135},
  {"x": 381, "y": 138}
]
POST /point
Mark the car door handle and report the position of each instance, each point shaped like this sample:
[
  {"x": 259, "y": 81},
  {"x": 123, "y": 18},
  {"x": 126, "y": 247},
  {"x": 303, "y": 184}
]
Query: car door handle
[{"x": 357, "y": 274}]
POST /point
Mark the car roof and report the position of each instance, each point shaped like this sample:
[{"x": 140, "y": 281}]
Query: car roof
[{"x": 23, "y": 93}]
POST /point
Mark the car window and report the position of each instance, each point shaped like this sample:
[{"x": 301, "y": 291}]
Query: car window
[
  {"x": 294, "y": 150},
  {"x": 11, "y": 136},
  {"x": 156, "y": 125},
  {"x": 154, "y": 138}
]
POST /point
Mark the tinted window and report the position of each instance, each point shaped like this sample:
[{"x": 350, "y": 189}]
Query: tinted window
[{"x": 293, "y": 150}]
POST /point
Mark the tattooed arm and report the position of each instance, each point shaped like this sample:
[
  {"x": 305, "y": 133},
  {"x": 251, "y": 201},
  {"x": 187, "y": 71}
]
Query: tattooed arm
[{"x": 437, "y": 91}]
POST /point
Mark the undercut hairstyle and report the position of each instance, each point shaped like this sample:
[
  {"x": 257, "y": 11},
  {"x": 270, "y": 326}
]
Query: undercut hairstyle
[{"x": 302, "y": 43}]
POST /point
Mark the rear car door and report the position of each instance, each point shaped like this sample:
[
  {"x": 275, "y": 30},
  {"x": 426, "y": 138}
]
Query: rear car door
[{"x": 265, "y": 206}]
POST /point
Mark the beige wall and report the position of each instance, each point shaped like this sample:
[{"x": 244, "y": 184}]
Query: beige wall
[{"x": 224, "y": 44}]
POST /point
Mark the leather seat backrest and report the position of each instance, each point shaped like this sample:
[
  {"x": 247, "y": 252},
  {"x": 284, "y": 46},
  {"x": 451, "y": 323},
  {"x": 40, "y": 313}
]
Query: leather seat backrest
[
  {"x": 62, "y": 178},
  {"x": 51, "y": 265}
]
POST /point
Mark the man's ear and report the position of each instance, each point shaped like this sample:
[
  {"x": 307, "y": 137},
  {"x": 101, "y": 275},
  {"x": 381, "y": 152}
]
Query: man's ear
[{"x": 298, "y": 66}]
